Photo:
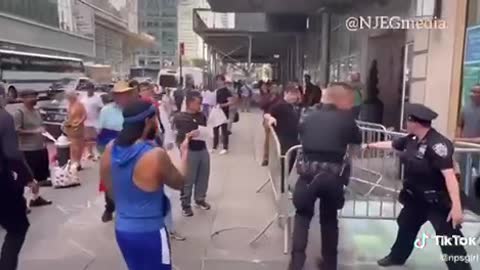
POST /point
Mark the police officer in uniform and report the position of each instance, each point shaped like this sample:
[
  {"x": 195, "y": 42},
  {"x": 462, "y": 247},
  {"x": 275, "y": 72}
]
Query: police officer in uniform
[
  {"x": 430, "y": 191},
  {"x": 321, "y": 166}
]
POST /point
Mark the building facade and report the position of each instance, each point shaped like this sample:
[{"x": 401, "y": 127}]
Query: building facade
[
  {"x": 116, "y": 33},
  {"x": 193, "y": 43},
  {"x": 40, "y": 26},
  {"x": 158, "y": 18},
  {"x": 411, "y": 65}
]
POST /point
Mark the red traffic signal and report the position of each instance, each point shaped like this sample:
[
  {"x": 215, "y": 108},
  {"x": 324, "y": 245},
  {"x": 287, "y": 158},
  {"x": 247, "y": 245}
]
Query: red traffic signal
[{"x": 182, "y": 48}]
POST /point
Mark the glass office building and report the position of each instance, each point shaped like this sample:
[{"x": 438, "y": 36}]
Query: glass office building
[
  {"x": 43, "y": 26},
  {"x": 42, "y": 11},
  {"x": 158, "y": 18}
]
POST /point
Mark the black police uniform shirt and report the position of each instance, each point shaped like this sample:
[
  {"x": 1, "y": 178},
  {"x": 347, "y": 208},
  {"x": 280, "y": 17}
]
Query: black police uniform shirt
[
  {"x": 425, "y": 160},
  {"x": 326, "y": 131},
  {"x": 186, "y": 122},
  {"x": 288, "y": 117},
  {"x": 223, "y": 94}
]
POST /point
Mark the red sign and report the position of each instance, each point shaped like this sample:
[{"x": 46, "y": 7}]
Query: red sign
[{"x": 182, "y": 48}]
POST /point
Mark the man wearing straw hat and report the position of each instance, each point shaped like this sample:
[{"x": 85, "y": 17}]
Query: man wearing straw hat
[{"x": 110, "y": 125}]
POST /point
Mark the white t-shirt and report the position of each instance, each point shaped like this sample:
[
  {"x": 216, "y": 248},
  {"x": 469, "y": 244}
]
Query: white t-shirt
[
  {"x": 209, "y": 97},
  {"x": 93, "y": 105}
]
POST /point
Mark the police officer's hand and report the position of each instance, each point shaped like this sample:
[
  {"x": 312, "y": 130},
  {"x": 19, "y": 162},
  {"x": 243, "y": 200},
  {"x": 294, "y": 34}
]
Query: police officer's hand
[
  {"x": 272, "y": 121},
  {"x": 455, "y": 216}
]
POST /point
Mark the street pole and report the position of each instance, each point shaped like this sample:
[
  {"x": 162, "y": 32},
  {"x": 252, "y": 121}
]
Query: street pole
[
  {"x": 181, "y": 73},
  {"x": 182, "y": 51}
]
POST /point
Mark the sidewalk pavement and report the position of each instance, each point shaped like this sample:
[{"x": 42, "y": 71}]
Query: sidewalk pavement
[{"x": 70, "y": 236}]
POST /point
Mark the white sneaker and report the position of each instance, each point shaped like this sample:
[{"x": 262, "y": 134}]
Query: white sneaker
[
  {"x": 211, "y": 151},
  {"x": 223, "y": 152}
]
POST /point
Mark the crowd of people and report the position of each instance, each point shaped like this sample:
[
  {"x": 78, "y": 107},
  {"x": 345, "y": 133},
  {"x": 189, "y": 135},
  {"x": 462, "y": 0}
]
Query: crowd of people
[{"x": 136, "y": 134}]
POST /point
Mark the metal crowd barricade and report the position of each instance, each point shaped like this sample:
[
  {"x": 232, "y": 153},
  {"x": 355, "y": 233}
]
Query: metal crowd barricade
[
  {"x": 467, "y": 156},
  {"x": 276, "y": 178},
  {"x": 376, "y": 179}
]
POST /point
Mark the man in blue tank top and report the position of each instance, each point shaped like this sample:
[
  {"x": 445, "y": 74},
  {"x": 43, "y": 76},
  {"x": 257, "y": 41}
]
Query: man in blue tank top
[{"x": 135, "y": 172}]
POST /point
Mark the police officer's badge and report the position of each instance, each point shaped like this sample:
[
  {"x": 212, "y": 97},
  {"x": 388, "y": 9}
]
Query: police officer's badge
[{"x": 440, "y": 149}]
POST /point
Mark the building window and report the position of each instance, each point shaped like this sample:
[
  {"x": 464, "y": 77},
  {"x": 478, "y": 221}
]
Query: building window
[
  {"x": 40, "y": 11},
  {"x": 168, "y": 25}
]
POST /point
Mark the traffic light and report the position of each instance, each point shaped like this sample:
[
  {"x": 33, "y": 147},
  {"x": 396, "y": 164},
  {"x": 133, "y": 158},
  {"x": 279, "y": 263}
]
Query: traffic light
[{"x": 182, "y": 48}]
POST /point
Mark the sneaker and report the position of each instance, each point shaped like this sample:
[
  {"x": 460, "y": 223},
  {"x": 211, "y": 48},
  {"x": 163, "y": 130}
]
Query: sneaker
[
  {"x": 223, "y": 152},
  {"x": 187, "y": 212},
  {"x": 40, "y": 201},
  {"x": 203, "y": 205},
  {"x": 107, "y": 217},
  {"x": 265, "y": 163},
  {"x": 177, "y": 237},
  {"x": 212, "y": 151},
  {"x": 46, "y": 183}
]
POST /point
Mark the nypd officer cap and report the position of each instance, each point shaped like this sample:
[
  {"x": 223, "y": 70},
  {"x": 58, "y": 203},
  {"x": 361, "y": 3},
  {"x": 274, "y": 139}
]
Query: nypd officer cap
[{"x": 420, "y": 113}]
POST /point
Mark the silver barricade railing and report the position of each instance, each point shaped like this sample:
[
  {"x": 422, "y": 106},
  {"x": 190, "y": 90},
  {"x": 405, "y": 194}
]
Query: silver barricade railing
[
  {"x": 376, "y": 179},
  {"x": 290, "y": 179},
  {"x": 467, "y": 157},
  {"x": 379, "y": 164},
  {"x": 275, "y": 163},
  {"x": 363, "y": 124},
  {"x": 276, "y": 177}
]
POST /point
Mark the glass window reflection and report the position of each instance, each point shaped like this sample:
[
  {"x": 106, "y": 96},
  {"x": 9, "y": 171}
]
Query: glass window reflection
[{"x": 41, "y": 11}]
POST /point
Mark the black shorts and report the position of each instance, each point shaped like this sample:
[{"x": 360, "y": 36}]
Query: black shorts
[{"x": 39, "y": 164}]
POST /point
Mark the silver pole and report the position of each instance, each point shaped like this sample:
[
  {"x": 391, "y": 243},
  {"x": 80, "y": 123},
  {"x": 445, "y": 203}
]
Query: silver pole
[{"x": 250, "y": 39}]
